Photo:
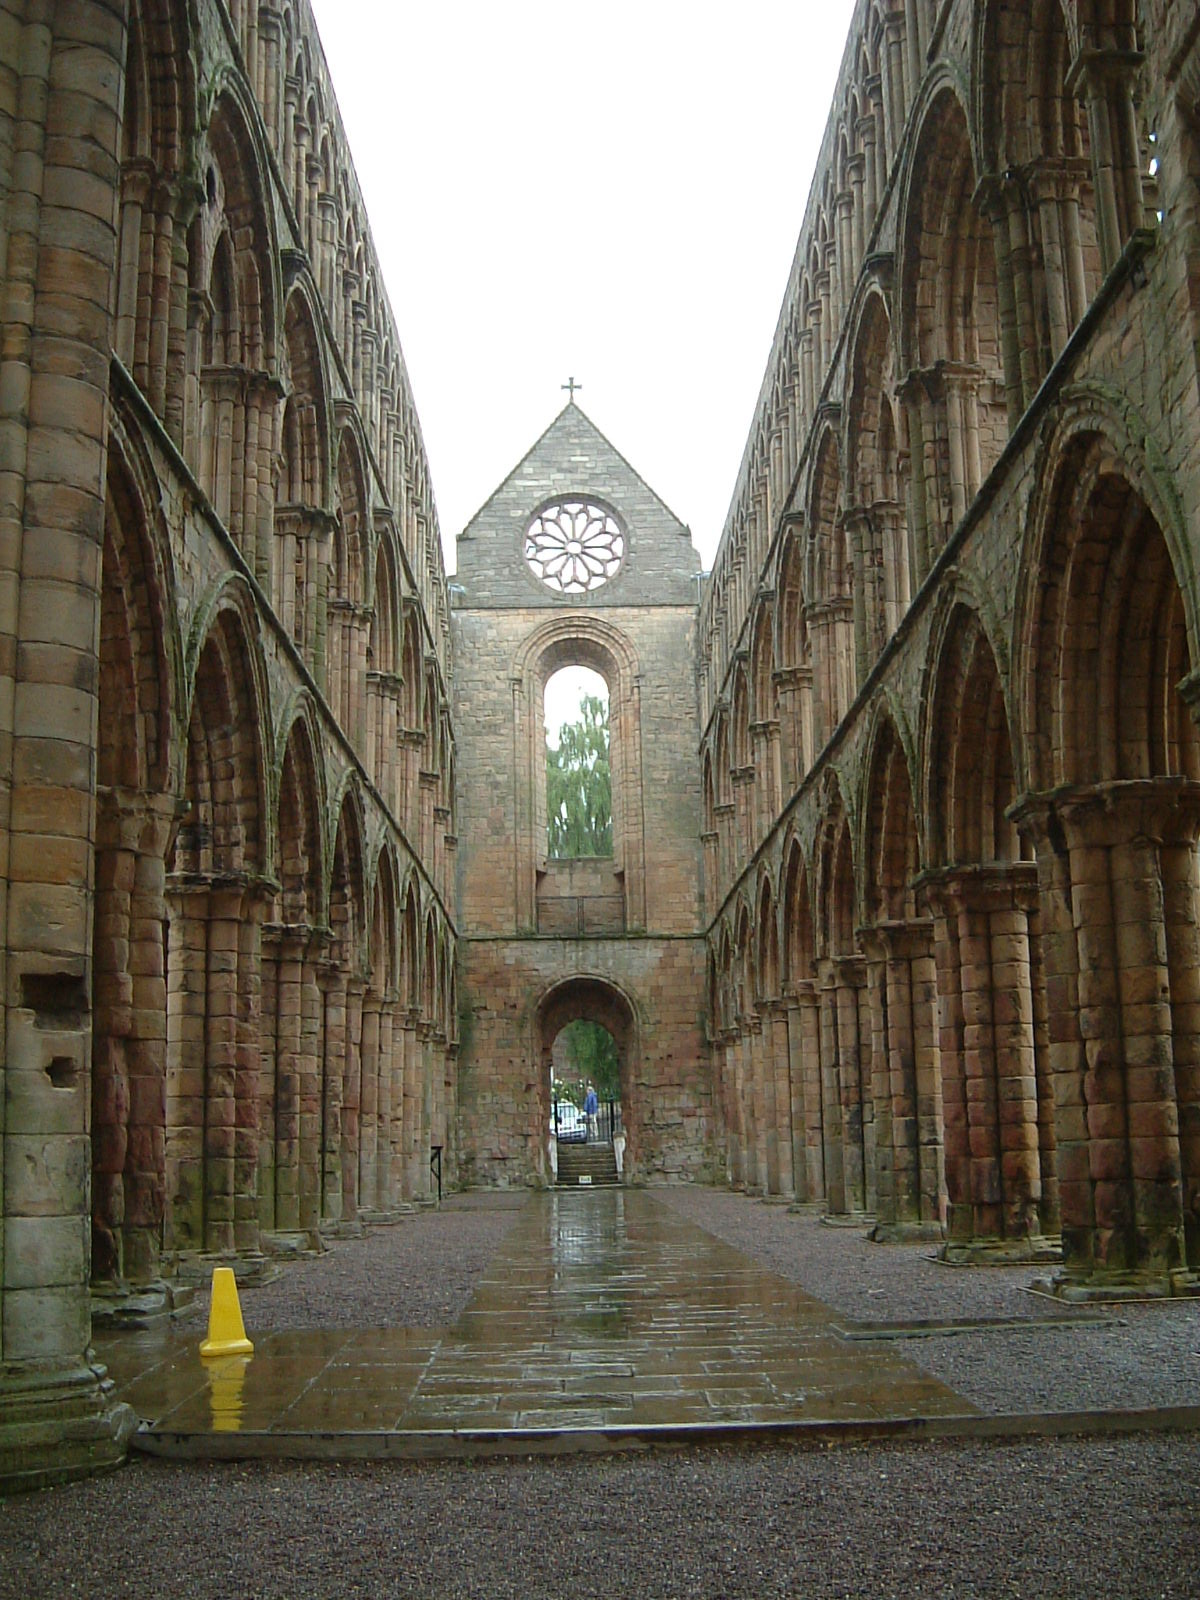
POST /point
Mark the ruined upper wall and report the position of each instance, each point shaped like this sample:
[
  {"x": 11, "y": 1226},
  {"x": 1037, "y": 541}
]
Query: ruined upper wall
[{"x": 984, "y": 164}]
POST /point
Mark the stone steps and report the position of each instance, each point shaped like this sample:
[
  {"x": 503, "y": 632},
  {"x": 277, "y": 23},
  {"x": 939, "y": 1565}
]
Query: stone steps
[{"x": 593, "y": 1164}]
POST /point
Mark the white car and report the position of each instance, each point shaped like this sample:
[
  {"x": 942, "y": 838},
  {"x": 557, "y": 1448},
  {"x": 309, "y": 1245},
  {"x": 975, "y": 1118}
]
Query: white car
[{"x": 568, "y": 1122}]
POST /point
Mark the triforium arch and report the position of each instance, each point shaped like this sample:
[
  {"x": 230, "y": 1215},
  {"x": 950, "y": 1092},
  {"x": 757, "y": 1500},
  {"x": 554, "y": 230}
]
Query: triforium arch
[
  {"x": 830, "y": 582},
  {"x": 793, "y": 653},
  {"x": 347, "y": 616},
  {"x": 1113, "y": 809},
  {"x": 157, "y": 133},
  {"x": 949, "y": 325},
  {"x": 897, "y": 940},
  {"x": 875, "y": 514},
  {"x": 1037, "y": 183},
  {"x": 231, "y": 390},
  {"x": 588, "y": 997},
  {"x": 587, "y": 641},
  {"x": 303, "y": 522}
]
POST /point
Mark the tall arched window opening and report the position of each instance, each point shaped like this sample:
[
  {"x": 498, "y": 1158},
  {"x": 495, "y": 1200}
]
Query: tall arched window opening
[{"x": 578, "y": 774}]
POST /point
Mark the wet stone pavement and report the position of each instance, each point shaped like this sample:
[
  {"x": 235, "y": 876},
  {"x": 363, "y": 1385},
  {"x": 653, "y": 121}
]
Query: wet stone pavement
[{"x": 604, "y": 1315}]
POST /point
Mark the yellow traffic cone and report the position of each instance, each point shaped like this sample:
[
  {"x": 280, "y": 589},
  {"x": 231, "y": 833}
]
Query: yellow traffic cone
[{"x": 226, "y": 1330}]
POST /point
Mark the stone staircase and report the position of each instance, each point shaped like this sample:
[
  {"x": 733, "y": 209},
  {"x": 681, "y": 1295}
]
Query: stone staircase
[{"x": 590, "y": 1164}]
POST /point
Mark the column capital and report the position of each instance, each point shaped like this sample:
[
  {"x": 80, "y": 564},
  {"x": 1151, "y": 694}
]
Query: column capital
[
  {"x": 980, "y": 886},
  {"x": 1159, "y": 810},
  {"x": 898, "y": 938}
]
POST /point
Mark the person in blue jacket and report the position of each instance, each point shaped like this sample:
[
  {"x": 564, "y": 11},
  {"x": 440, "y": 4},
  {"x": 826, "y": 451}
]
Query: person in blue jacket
[{"x": 591, "y": 1109}]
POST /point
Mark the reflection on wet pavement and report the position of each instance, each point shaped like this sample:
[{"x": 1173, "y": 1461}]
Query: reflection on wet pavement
[{"x": 603, "y": 1310}]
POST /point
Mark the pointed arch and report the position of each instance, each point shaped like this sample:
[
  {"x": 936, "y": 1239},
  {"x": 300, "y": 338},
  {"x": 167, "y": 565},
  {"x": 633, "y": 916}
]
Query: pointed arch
[
  {"x": 949, "y": 323},
  {"x": 891, "y": 848}
]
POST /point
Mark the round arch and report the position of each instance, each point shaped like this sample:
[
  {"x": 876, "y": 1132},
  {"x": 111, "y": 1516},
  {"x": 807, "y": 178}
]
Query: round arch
[
  {"x": 589, "y": 998},
  {"x": 588, "y": 642}
]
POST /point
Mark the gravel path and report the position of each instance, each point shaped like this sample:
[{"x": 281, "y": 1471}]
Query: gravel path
[
  {"x": 419, "y": 1272},
  {"x": 1098, "y": 1517},
  {"x": 1141, "y": 1355}
]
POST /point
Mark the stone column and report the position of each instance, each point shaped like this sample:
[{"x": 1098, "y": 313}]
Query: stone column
[
  {"x": 775, "y": 1031},
  {"x": 391, "y": 1101},
  {"x": 854, "y": 1082},
  {"x": 422, "y": 1181},
  {"x": 743, "y": 796},
  {"x": 832, "y": 1145},
  {"x": 352, "y": 1116},
  {"x": 248, "y": 1068},
  {"x": 735, "y": 1119},
  {"x": 867, "y": 610},
  {"x": 129, "y": 1036},
  {"x": 368, "y": 1127},
  {"x": 762, "y": 1096},
  {"x": 219, "y": 1091},
  {"x": 1104, "y": 80},
  {"x": 710, "y": 842},
  {"x": 1119, "y": 907},
  {"x": 907, "y": 1097},
  {"x": 725, "y": 817},
  {"x": 922, "y": 514},
  {"x": 333, "y": 981},
  {"x": 989, "y": 1061},
  {"x": 309, "y": 1074},
  {"x": 187, "y": 1004},
  {"x": 406, "y": 1121},
  {"x": 804, "y": 1062},
  {"x": 283, "y": 1205},
  {"x": 62, "y": 185}
]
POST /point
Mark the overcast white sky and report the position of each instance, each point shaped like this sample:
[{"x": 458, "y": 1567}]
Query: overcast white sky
[{"x": 609, "y": 191}]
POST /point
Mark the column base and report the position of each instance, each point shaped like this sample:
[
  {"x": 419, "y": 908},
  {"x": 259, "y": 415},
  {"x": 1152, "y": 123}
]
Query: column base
[
  {"x": 1034, "y": 1251},
  {"x": 1100, "y": 1287},
  {"x": 59, "y": 1424},
  {"x": 255, "y": 1268},
  {"x": 907, "y": 1233},
  {"x": 347, "y": 1228},
  {"x": 119, "y": 1305},
  {"x": 848, "y": 1219}
]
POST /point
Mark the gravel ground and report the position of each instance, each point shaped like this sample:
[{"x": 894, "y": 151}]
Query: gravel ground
[
  {"x": 1115, "y": 1518},
  {"x": 419, "y": 1272},
  {"x": 1142, "y": 1355}
]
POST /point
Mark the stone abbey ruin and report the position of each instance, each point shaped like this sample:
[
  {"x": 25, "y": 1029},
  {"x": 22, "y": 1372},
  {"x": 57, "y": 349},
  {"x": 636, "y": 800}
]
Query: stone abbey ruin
[{"x": 902, "y": 915}]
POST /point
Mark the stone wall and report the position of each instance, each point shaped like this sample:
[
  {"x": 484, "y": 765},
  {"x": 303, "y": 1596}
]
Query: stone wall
[
  {"x": 521, "y": 979},
  {"x": 226, "y": 785},
  {"x": 946, "y": 655}
]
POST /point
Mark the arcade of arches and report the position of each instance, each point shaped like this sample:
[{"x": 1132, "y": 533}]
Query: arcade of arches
[{"x": 902, "y": 915}]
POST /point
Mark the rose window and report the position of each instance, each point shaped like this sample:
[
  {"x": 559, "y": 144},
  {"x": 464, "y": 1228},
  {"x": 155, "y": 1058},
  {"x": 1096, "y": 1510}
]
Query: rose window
[{"x": 574, "y": 546}]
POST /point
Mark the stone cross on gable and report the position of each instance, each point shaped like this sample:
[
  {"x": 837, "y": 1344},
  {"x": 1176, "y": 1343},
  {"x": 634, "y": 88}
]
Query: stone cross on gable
[{"x": 570, "y": 386}]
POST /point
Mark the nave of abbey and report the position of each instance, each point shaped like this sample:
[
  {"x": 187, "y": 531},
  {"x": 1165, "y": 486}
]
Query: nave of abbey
[{"x": 901, "y": 920}]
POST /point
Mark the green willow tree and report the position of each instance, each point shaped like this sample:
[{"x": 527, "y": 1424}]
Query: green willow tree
[
  {"x": 579, "y": 786},
  {"x": 591, "y": 1057}
]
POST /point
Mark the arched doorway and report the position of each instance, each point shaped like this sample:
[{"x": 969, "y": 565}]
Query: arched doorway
[{"x": 594, "y": 1001}]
